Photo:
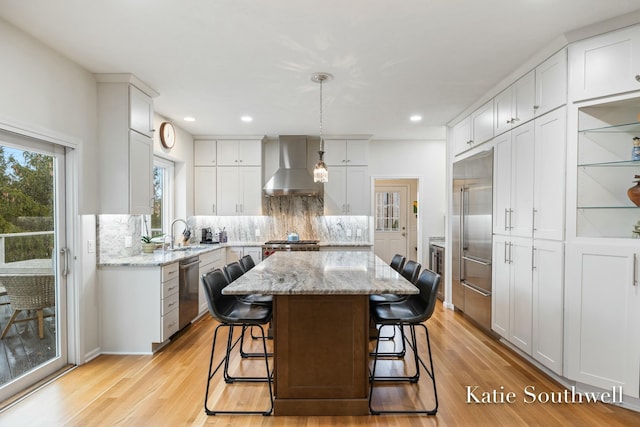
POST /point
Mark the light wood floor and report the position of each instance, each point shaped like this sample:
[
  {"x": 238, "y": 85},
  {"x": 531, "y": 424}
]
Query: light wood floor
[{"x": 167, "y": 389}]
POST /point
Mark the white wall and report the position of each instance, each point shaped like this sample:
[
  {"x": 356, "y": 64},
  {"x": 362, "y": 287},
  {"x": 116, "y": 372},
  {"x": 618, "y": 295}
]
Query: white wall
[
  {"x": 426, "y": 161},
  {"x": 43, "y": 90}
]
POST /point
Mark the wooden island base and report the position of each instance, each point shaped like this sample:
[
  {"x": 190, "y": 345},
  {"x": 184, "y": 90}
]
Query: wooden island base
[{"x": 321, "y": 354}]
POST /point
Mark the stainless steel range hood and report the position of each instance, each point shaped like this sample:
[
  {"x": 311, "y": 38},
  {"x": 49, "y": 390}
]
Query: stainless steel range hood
[{"x": 292, "y": 177}]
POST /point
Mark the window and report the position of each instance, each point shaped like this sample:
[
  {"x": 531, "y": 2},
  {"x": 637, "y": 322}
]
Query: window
[
  {"x": 387, "y": 210},
  {"x": 163, "y": 197}
]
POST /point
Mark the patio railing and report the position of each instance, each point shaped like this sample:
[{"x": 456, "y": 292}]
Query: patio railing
[{"x": 4, "y": 237}]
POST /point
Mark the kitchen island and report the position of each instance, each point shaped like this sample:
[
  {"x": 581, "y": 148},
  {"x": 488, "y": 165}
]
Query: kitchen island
[{"x": 321, "y": 326}]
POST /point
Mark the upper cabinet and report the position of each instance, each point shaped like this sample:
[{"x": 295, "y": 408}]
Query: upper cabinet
[
  {"x": 349, "y": 187},
  {"x": 140, "y": 112},
  {"x": 204, "y": 153},
  {"x": 515, "y": 105},
  {"x": 341, "y": 152},
  {"x": 239, "y": 152},
  {"x": 551, "y": 83},
  {"x": 605, "y": 65},
  {"x": 125, "y": 145},
  {"x": 474, "y": 129}
]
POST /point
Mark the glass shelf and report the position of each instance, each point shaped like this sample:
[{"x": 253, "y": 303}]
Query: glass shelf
[
  {"x": 623, "y": 128},
  {"x": 618, "y": 163}
]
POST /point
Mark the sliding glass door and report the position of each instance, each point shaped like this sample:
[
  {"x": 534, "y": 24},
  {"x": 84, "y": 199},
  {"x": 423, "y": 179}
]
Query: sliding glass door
[{"x": 34, "y": 261}]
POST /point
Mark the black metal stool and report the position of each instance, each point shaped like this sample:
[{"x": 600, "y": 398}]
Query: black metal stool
[
  {"x": 412, "y": 312},
  {"x": 230, "y": 312}
]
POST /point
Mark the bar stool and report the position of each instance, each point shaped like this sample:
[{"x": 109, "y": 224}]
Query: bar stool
[
  {"x": 409, "y": 271},
  {"x": 247, "y": 263},
  {"x": 397, "y": 262},
  {"x": 230, "y": 312},
  {"x": 415, "y": 311}
]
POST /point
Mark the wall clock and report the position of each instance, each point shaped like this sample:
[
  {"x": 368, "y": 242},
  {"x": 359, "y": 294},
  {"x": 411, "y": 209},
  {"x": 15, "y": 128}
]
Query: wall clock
[{"x": 167, "y": 135}]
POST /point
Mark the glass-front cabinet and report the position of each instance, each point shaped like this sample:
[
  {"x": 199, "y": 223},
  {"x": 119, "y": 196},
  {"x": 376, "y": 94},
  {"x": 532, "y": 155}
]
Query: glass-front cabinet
[{"x": 606, "y": 170}]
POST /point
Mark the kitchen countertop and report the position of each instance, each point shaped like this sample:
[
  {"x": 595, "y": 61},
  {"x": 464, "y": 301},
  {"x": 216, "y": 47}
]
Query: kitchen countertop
[
  {"x": 321, "y": 273},
  {"x": 345, "y": 244},
  {"x": 160, "y": 257}
]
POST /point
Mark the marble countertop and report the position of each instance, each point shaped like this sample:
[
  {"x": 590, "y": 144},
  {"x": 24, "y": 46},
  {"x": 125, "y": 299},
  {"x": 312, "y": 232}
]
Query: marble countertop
[
  {"x": 345, "y": 244},
  {"x": 160, "y": 257},
  {"x": 321, "y": 273}
]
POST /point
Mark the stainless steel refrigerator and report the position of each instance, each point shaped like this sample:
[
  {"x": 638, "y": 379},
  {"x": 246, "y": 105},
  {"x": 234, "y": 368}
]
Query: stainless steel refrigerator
[{"x": 472, "y": 236}]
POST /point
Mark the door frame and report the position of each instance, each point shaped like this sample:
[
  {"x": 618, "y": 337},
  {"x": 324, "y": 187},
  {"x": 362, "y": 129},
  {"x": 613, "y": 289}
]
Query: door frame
[
  {"x": 420, "y": 218},
  {"x": 71, "y": 294}
]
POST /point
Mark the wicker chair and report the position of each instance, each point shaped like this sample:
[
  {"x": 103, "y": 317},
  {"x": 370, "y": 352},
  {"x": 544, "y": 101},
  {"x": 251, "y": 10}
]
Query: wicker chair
[{"x": 29, "y": 292}]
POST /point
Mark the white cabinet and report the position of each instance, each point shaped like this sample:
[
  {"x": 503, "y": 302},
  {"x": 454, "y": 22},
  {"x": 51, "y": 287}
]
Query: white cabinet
[
  {"x": 549, "y": 175},
  {"x": 238, "y": 181},
  {"x": 341, "y": 152},
  {"x": 239, "y": 152},
  {"x": 551, "y": 83},
  {"x": 605, "y": 65},
  {"x": 138, "y": 307},
  {"x": 348, "y": 191},
  {"x": 234, "y": 253},
  {"x": 204, "y": 177},
  {"x": 239, "y": 190},
  {"x": 475, "y": 129},
  {"x": 141, "y": 112},
  {"x": 512, "y": 290},
  {"x": 513, "y": 182},
  {"x": 205, "y": 189},
  {"x": 209, "y": 261},
  {"x": 140, "y": 173},
  {"x": 602, "y": 311},
  {"x": 515, "y": 105},
  {"x": 204, "y": 153},
  {"x": 125, "y": 149},
  {"x": 548, "y": 309}
]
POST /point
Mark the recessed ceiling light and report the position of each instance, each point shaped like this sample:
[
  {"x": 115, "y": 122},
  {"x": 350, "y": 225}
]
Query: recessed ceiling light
[
  {"x": 189, "y": 119},
  {"x": 415, "y": 118},
  {"x": 246, "y": 119}
]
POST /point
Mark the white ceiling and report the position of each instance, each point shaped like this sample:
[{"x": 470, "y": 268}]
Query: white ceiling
[{"x": 219, "y": 60}]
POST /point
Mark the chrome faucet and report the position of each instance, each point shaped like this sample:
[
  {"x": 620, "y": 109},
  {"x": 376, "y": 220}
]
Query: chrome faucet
[{"x": 171, "y": 228}]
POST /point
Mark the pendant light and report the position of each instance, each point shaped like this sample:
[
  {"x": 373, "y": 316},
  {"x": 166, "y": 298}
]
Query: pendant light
[{"x": 320, "y": 172}]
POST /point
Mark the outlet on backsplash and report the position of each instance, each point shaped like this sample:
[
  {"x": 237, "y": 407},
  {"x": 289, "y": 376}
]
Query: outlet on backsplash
[{"x": 349, "y": 234}]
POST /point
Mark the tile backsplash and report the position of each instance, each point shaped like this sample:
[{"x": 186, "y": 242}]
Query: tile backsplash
[{"x": 300, "y": 214}]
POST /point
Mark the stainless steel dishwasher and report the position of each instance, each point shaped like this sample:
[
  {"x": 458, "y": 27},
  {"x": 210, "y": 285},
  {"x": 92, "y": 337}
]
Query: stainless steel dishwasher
[{"x": 188, "y": 290}]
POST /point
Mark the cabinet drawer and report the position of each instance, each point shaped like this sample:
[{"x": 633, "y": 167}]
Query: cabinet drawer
[
  {"x": 169, "y": 324},
  {"x": 169, "y": 303},
  {"x": 170, "y": 287},
  {"x": 209, "y": 257},
  {"x": 170, "y": 271}
]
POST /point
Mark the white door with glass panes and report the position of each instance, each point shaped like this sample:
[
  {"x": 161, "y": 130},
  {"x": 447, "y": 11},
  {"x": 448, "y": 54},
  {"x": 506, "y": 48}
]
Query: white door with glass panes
[
  {"x": 390, "y": 236},
  {"x": 36, "y": 262}
]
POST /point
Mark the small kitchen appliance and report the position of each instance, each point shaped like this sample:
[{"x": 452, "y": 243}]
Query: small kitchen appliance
[{"x": 207, "y": 236}]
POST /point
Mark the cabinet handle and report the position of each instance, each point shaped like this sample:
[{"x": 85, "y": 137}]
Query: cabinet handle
[
  {"x": 533, "y": 219},
  {"x": 505, "y": 219},
  {"x": 510, "y": 247},
  {"x": 213, "y": 207},
  {"x": 171, "y": 304},
  {"x": 171, "y": 288},
  {"x": 509, "y": 122},
  {"x": 515, "y": 119},
  {"x": 638, "y": 77},
  {"x": 470, "y": 141},
  {"x": 510, "y": 219},
  {"x": 535, "y": 107},
  {"x": 505, "y": 253},
  {"x": 533, "y": 258},
  {"x": 344, "y": 160},
  {"x": 635, "y": 270}
]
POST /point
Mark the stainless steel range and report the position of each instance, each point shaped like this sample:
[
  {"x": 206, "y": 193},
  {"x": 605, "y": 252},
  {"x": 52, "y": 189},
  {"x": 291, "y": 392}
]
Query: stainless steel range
[{"x": 287, "y": 245}]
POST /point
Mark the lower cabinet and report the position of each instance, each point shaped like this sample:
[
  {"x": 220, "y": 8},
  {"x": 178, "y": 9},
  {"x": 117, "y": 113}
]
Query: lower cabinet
[
  {"x": 234, "y": 253},
  {"x": 548, "y": 304},
  {"x": 512, "y": 290},
  {"x": 527, "y": 297},
  {"x": 602, "y": 311},
  {"x": 138, "y": 307},
  {"x": 208, "y": 261}
]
